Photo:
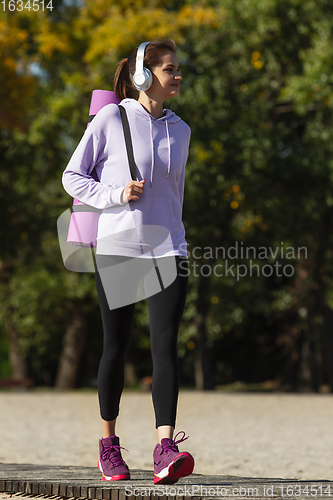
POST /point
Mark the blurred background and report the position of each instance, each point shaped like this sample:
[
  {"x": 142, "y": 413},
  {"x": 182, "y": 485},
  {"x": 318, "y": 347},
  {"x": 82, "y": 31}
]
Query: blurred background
[{"x": 257, "y": 92}]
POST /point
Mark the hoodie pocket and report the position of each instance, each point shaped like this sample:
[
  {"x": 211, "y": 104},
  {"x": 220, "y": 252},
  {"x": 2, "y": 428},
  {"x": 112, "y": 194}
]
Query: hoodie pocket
[
  {"x": 158, "y": 210},
  {"x": 148, "y": 210}
]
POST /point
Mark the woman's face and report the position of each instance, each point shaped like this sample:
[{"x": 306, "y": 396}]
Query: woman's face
[{"x": 166, "y": 77}]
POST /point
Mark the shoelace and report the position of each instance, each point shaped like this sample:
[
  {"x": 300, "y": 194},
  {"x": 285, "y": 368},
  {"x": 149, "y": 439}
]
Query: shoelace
[
  {"x": 173, "y": 445},
  {"x": 113, "y": 453}
]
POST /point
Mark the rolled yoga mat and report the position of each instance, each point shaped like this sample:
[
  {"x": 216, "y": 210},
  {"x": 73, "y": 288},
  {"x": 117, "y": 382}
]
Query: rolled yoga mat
[{"x": 83, "y": 224}]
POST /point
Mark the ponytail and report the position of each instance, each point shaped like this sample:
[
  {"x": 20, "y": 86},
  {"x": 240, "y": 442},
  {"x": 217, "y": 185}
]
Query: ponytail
[{"x": 122, "y": 84}]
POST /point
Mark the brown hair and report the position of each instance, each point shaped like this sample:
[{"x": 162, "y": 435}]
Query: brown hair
[{"x": 123, "y": 84}]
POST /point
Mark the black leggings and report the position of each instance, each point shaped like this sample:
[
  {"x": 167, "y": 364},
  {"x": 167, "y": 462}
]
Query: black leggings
[{"x": 165, "y": 311}]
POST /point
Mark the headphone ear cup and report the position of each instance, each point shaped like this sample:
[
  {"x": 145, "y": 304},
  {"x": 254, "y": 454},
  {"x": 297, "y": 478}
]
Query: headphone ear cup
[
  {"x": 142, "y": 81},
  {"x": 148, "y": 78}
]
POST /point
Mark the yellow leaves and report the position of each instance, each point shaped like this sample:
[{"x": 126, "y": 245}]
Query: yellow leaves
[
  {"x": 329, "y": 100},
  {"x": 121, "y": 31},
  {"x": 214, "y": 299},
  {"x": 255, "y": 60},
  {"x": 125, "y": 26},
  {"x": 75, "y": 79},
  {"x": 39, "y": 29},
  {"x": 191, "y": 15},
  {"x": 237, "y": 195},
  {"x": 49, "y": 41},
  {"x": 11, "y": 38},
  {"x": 17, "y": 86},
  {"x": 96, "y": 9},
  {"x": 10, "y": 35},
  {"x": 9, "y": 63},
  {"x": 235, "y": 192},
  {"x": 217, "y": 152},
  {"x": 247, "y": 222},
  {"x": 258, "y": 64},
  {"x": 216, "y": 146},
  {"x": 202, "y": 154}
]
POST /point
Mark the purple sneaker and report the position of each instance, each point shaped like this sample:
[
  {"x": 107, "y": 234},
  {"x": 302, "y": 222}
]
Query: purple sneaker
[
  {"x": 110, "y": 462},
  {"x": 169, "y": 463}
]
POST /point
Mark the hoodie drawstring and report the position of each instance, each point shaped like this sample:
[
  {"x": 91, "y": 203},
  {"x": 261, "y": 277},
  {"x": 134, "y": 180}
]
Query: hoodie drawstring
[
  {"x": 169, "y": 148},
  {"x": 152, "y": 152}
]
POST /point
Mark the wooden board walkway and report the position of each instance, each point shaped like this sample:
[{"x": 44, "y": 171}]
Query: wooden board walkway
[{"x": 61, "y": 482}]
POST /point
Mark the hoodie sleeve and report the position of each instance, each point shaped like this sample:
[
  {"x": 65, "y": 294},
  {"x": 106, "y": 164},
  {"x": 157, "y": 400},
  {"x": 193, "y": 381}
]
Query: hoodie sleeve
[
  {"x": 77, "y": 180},
  {"x": 181, "y": 181},
  {"x": 181, "y": 186}
]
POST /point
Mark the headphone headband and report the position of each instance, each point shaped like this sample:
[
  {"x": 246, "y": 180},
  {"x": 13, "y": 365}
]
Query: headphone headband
[
  {"x": 140, "y": 55},
  {"x": 142, "y": 77}
]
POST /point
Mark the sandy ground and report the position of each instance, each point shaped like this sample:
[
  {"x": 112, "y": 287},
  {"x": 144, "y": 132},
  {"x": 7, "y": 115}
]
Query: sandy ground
[{"x": 240, "y": 434}]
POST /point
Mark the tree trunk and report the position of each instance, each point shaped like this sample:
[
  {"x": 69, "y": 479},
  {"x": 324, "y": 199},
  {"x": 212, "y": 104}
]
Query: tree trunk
[
  {"x": 328, "y": 342},
  {"x": 17, "y": 360},
  {"x": 320, "y": 292},
  {"x": 203, "y": 357},
  {"x": 74, "y": 341}
]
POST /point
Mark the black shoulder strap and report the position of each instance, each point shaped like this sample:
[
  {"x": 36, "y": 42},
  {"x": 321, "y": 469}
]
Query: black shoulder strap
[
  {"x": 132, "y": 165},
  {"x": 128, "y": 141}
]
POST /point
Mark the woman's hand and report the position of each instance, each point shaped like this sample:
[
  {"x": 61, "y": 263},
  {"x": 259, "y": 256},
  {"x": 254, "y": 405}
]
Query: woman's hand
[{"x": 133, "y": 191}]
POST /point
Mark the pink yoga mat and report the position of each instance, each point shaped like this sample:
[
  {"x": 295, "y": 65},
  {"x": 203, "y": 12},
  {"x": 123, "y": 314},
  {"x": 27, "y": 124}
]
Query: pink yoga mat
[
  {"x": 83, "y": 225},
  {"x": 101, "y": 98}
]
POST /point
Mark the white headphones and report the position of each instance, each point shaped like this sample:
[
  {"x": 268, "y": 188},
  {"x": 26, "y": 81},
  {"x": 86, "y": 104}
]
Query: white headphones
[{"x": 142, "y": 78}]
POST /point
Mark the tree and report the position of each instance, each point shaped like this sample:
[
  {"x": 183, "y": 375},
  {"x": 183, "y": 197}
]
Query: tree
[{"x": 257, "y": 93}]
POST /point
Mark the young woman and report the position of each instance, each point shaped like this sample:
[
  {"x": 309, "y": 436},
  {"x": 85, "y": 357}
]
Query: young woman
[{"x": 160, "y": 145}]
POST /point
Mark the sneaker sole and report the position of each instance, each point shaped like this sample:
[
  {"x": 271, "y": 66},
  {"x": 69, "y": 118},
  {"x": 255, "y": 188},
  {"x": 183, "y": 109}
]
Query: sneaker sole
[
  {"x": 118, "y": 477},
  {"x": 182, "y": 466}
]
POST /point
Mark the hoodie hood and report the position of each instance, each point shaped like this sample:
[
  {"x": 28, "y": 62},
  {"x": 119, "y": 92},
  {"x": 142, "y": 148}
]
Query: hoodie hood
[
  {"x": 137, "y": 108},
  {"x": 167, "y": 119}
]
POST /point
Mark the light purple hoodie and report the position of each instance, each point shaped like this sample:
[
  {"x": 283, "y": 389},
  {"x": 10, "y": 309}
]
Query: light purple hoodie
[{"x": 160, "y": 149}]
